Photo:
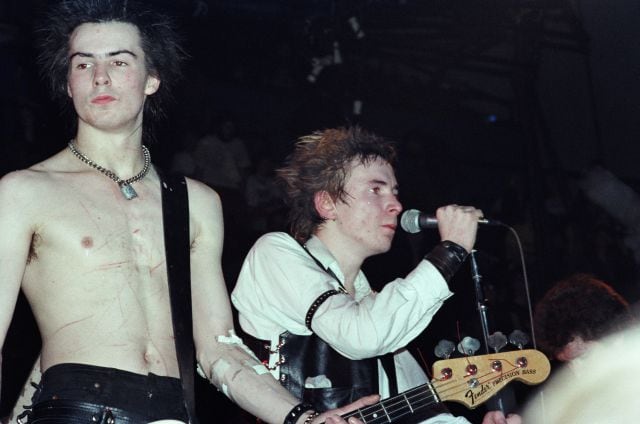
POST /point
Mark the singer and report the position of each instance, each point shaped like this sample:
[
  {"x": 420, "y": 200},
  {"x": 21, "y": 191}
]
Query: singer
[{"x": 305, "y": 305}]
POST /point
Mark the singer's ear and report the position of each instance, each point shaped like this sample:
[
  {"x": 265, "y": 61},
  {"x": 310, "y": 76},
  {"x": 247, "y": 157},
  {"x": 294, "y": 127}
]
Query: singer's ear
[{"x": 325, "y": 206}]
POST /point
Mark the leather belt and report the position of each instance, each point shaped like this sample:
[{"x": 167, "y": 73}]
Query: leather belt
[{"x": 70, "y": 411}]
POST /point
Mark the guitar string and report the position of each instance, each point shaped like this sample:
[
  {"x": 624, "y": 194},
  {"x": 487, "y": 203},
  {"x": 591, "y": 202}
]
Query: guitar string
[
  {"x": 413, "y": 400},
  {"x": 385, "y": 417},
  {"x": 376, "y": 412}
]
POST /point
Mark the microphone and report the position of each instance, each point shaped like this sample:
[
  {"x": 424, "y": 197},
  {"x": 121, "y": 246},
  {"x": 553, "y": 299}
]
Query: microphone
[{"x": 413, "y": 221}]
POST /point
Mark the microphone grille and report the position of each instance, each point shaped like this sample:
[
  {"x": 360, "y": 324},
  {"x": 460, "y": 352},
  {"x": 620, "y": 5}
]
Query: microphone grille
[{"x": 409, "y": 221}]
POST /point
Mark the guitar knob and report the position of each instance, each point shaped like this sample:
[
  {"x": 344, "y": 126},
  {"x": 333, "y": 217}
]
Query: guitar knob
[
  {"x": 444, "y": 348},
  {"x": 446, "y": 373},
  {"x": 522, "y": 362},
  {"x": 518, "y": 338},
  {"x": 468, "y": 346},
  {"x": 497, "y": 341},
  {"x": 496, "y": 365},
  {"x": 472, "y": 369}
]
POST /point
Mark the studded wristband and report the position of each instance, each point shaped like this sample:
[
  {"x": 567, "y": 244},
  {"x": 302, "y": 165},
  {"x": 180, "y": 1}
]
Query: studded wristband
[
  {"x": 447, "y": 258},
  {"x": 311, "y": 417},
  {"x": 297, "y": 411}
]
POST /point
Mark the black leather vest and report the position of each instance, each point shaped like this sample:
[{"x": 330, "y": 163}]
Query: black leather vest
[{"x": 301, "y": 357}]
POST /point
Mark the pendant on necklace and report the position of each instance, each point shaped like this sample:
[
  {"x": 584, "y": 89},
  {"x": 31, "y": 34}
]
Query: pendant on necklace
[{"x": 128, "y": 191}]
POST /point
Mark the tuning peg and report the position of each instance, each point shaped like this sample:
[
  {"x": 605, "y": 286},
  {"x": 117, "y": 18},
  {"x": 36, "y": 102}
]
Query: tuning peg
[
  {"x": 444, "y": 349},
  {"x": 468, "y": 346},
  {"x": 497, "y": 341},
  {"x": 518, "y": 338}
]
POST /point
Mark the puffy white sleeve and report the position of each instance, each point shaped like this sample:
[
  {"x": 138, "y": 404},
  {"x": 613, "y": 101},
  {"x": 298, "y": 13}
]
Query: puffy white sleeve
[{"x": 279, "y": 282}]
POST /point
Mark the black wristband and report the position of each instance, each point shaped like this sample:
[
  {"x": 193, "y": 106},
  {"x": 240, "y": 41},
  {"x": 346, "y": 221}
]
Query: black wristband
[
  {"x": 297, "y": 411},
  {"x": 447, "y": 258}
]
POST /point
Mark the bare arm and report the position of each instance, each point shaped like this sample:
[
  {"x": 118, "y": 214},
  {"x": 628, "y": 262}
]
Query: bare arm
[
  {"x": 221, "y": 356},
  {"x": 26, "y": 395},
  {"x": 15, "y": 238}
]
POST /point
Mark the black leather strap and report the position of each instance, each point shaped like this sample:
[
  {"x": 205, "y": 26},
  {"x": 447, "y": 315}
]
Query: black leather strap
[
  {"x": 389, "y": 365},
  {"x": 62, "y": 410},
  {"x": 175, "y": 212},
  {"x": 316, "y": 304},
  {"x": 324, "y": 296}
]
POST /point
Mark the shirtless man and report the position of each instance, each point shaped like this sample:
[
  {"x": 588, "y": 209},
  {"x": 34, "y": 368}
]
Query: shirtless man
[{"x": 87, "y": 248}]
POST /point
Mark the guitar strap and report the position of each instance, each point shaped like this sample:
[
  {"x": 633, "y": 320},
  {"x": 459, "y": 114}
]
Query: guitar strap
[
  {"x": 389, "y": 366},
  {"x": 175, "y": 216}
]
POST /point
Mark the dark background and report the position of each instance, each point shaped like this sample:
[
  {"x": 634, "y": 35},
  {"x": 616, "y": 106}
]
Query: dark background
[{"x": 501, "y": 104}]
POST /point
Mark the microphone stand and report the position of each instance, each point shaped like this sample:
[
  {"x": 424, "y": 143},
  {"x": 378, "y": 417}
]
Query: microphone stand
[
  {"x": 482, "y": 307},
  {"x": 505, "y": 399}
]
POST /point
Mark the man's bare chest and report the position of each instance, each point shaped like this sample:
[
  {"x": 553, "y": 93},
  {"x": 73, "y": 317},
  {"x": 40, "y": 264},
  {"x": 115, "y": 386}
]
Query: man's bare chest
[
  {"x": 99, "y": 257},
  {"x": 91, "y": 230},
  {"x": 102, "y": 231}
]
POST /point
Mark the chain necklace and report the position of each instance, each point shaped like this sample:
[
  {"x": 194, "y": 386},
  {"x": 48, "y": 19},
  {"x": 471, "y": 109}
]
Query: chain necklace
[{"x": 125, "y": 185}]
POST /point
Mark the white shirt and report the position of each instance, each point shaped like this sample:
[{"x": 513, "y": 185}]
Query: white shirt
[{"x": 279, "y": 281}]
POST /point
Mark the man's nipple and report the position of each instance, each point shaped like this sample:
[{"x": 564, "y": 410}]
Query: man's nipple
[{"x": 87, "y": 242}]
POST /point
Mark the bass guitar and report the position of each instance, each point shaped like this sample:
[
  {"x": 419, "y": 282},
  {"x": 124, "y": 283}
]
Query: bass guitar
[{"x": 469, "y": 380}]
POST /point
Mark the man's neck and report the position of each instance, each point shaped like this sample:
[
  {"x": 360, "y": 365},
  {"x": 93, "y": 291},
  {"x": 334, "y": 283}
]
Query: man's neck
[
  {"x": 347, "y": 257},
  {"x": 116, "y": 151}
]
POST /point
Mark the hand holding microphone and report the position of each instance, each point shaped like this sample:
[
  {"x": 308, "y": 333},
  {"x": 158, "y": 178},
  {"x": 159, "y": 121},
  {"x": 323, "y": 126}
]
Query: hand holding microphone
[{"x": 456, "y": 223}]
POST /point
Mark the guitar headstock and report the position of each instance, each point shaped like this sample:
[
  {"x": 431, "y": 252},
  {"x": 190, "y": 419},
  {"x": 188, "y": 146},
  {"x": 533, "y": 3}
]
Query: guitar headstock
[{"x": 472, "y": 380}]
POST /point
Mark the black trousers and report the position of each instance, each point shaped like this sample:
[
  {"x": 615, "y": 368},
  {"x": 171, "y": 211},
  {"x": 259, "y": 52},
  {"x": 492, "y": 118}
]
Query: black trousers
[{"x": 79, "y": 394}]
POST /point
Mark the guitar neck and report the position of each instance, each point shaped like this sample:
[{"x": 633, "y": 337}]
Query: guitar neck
[
  {"x": 469, "y": 380},
  {"x": 396, "y": 407}
]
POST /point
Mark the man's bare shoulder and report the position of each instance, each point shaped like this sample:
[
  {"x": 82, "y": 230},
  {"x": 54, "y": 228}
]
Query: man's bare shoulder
[
  {"x": 201, "y": 189},
  {"x": 202, "y": 196},
  {"x": 21, "y": 185},
  {"x": 33, "y": 182},
  {"x": 205, "y": 211}
]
